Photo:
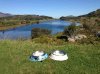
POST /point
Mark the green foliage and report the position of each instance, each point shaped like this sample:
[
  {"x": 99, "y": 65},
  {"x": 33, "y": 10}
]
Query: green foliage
[
  {"x": 48, "y": 40},
  {"x": 37, "y": 32}
]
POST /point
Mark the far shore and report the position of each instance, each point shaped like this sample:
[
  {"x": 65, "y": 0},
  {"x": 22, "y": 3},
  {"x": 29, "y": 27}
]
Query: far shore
[
  {"x": 9, "y": 27},
  {"x": 2, "y": 28}
]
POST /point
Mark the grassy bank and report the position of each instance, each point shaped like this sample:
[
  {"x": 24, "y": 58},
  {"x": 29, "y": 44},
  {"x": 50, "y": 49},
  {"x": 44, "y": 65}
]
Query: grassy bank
[
  {"x": 3, "y": 27},
  {"x": 83, "y": 59}
]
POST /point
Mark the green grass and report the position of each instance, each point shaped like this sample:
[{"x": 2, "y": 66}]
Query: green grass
[{"x": 83, "y": 59}]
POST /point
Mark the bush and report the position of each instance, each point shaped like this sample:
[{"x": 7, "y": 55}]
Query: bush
[
  {"x": 90, "y": 40},
  {"x": 48, "y": 40},
  {"x": 70, "y": 30},
  {"x": 86, "y": 26},
  {"x": 37, "y": 32}
]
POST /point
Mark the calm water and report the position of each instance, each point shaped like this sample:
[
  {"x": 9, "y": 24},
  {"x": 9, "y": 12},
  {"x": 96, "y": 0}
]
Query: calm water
[{"x": 24, "y": 32}]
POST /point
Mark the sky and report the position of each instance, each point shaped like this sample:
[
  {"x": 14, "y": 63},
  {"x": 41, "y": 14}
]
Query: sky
[{"x": 54, "y": 8}]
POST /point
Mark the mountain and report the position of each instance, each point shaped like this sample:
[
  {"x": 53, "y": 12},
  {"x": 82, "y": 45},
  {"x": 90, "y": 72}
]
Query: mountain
[{"x": 4, "y": 14}]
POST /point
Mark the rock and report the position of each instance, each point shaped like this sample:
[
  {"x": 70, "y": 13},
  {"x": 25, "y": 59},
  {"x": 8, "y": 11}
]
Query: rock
[
  {"x": 80, "y": 36},
  {"x": 63, "y": 37},
  {"x": 71, "y": 39},
  {"x": 98, "y": 34}
]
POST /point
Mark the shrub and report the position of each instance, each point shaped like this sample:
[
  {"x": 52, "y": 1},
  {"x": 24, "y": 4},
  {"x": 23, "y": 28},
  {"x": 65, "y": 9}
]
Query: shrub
[
  {"x": 37, "y": 32},
  {"x": 86, "y": 26},
  {"x": 70, "y": 30},
  {"x": 63, "y": 37},
  {"x": 48, "y": 40}
]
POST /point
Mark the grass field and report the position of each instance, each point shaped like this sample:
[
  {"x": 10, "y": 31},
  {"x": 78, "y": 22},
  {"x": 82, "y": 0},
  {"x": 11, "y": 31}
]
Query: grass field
[{"x": 14, "y": 58}]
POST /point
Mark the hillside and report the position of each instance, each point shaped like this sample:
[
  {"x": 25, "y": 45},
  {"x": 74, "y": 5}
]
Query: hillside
[
  {"x": 4, "y": 14},
  {"x": 91, "y": 14}
]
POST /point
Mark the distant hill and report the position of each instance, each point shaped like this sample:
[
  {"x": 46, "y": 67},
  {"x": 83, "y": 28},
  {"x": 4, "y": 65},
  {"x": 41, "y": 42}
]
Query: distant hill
[
  {"x": 67, "y": 17},
  {"x": 11, "y": 20},
  {"x": 4, "y": 14},
  {"x": 92, "y": 14},
  {"x": 25, "y": 17}
]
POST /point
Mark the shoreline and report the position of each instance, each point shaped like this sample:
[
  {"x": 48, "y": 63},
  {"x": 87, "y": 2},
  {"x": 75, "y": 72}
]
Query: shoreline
[
  {"x": 9, "y": 27},
  {"x": 3, "y": 28}
]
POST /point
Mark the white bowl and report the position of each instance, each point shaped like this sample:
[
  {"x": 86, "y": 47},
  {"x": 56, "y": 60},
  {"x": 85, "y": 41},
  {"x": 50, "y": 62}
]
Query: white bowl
[{"x": 59, "y": 56}]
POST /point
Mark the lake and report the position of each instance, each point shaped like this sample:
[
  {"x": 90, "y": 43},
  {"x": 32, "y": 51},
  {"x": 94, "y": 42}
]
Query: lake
[{"x": 24, "y": 32}]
